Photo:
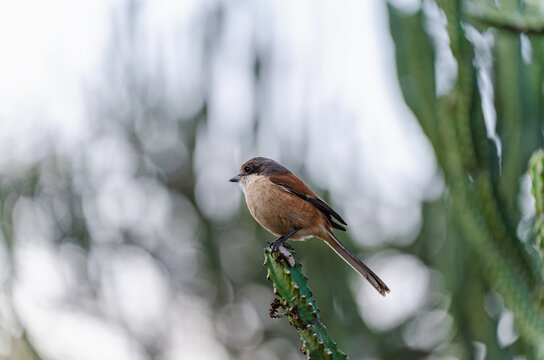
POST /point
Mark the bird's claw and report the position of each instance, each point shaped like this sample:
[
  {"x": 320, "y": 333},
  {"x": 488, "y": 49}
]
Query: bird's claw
[{"x": 275, "y": 245}]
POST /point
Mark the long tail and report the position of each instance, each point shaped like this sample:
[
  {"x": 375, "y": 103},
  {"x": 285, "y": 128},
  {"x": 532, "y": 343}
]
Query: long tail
[{"x": 356, "y": 264}]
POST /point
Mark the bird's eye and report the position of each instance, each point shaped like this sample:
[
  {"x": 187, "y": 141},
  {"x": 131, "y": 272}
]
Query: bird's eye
[{"x": 247, "y": 169}]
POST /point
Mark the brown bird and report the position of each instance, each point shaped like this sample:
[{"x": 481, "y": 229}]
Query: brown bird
[{"x": 285, "y": 206}]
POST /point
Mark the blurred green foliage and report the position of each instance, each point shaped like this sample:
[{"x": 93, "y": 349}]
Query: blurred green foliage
[{"x": 483, "y": 251}]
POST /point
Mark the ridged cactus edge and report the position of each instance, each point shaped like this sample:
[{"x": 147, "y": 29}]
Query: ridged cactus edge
[
  {"x": 294, "y": 297},
  {"x": 536, "y": 173}
]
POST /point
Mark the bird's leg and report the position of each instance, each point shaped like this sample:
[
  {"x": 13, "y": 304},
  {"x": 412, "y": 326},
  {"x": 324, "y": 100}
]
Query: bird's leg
[{"x": 282, "y": 241}]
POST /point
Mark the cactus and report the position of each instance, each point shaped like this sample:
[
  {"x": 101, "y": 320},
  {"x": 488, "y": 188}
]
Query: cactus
[
  {"x": 536, "y": 172},
  {"x": 294, "y": 296},
  {"x": 482, "y": 178}
]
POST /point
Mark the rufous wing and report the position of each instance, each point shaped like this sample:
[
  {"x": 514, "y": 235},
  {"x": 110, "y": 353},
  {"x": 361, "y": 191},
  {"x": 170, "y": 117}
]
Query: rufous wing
[{"x": 292, "y": 184}]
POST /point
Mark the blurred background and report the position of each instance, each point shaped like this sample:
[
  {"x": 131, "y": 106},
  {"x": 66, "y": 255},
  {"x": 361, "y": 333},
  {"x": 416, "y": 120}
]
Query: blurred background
[{"x": 121, "y": 122}]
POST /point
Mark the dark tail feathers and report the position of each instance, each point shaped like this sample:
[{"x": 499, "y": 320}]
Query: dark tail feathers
[{"x": 357, "y": 264}]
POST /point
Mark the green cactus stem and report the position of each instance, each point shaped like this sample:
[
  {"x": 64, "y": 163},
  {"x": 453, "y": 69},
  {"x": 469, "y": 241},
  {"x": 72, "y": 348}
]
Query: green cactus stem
[
  {"x": 536, "y": 172},
  {"x": 294, "y": 297},
  {"x": 527, "y": 22}
]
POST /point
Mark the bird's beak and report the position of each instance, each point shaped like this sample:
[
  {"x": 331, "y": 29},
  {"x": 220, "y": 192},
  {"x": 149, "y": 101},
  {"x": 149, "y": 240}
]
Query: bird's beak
[{"x": 235, "y": 178}]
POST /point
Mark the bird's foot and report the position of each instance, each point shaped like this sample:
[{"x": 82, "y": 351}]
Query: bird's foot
[{"x": 275, "y": 245}]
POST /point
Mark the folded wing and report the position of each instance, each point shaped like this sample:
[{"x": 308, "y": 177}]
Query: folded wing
[{"x": 297, "y": 187}]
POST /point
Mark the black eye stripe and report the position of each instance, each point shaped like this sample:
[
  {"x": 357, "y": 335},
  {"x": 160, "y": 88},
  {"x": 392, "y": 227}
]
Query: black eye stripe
[{"x": 247, "y": 169}]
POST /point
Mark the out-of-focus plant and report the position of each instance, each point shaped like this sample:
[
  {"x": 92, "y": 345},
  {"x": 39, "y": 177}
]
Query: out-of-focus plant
[{"x": 485, "y": 252}]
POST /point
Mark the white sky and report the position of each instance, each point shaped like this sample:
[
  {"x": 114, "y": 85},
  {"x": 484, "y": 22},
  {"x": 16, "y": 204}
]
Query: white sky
[{"x": 48, "y": 49}]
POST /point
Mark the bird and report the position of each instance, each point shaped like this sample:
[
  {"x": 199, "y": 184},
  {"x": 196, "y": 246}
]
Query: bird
[{"x": 286, "y": 207}]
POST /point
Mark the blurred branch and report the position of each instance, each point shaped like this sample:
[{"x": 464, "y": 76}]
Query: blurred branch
[
  {"x": 294, "y": 296},
  {"x": 29, "y": 347}
]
